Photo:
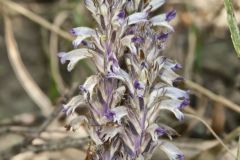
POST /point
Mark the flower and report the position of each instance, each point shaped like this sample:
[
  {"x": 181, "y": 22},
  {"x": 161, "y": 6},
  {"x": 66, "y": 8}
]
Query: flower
[
  {"x": 171, "y": 15},
  {"x": 133, "y": 83}
]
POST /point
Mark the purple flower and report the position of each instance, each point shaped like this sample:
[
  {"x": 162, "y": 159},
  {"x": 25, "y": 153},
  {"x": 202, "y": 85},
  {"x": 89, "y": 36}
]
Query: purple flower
[
  {"x": 136, "y": 84},
  {"x": 177, "y": 66},
  {"x": 171, "y": 15},
  {"x": 185, "y": 103},
  {"x": 133, "y": 83},
  {"x": 162, "y": 36},
  {"x": 121, "y": 14},
  {"x": 84, "y": 43},
  {"x": 180, "y": 157},
  {"x": 73, "y": 32},
  {"x": 110, "y": 115},
  {"x": 137, "y": 40},
  {"x": 160, "y": 131}
]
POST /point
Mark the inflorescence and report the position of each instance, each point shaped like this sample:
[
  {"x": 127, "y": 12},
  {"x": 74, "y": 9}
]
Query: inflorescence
[{"x": 134, "y": 81}]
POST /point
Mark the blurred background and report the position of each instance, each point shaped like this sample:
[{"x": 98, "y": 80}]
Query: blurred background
[{"x": 201, "y": 42}]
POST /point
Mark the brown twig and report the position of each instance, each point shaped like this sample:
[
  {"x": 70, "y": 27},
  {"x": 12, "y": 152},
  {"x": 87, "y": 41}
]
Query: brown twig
[
  {"x": 220, "y": 99},
  {"x": 192, "y": 41},
  {"x": 211, "y": 130},
  {"x": 24, "y": 119},
  {"x": 35, "y": 18},
  {"x": 16, "y": 130},
  {"x": 22, "y": 73},
  {"x": 32, "y": 89},
  {"x": 42, "y": 22},
  {"x": 218, "y": 118},
  {"x": 58, "y": 145},
  {"x": 51, "y": 146},
  {"x": 53, "y": 49},
  {"x": 19, "y": 148}
]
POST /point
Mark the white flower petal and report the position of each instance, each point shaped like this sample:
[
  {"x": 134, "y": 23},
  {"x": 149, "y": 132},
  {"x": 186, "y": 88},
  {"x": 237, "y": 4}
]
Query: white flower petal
[
  {"x": 123, "y": 76},
  {"x": 74, "y": 56},
  {"x": 120, "y": 112},
  {"x": 172, "y": 151},
  {"x": 169, "y": 76},
  {"x": 107, "y": 133},
  {"x": 171, "y": 92},
  {"x": 164, "y": 24},
  {"x": 158, "y": 19},
  {"x": 118, "y": 95},
  {"x": 167, "y": 104},
  {"x": 151, "y": 129},
  {"x": 127, "y": 41},
  {"x": 75, "y": 102},
  {"x": 77, "y": 122},
  {"x": 90, "y": 6},
  {"x": 98, "y": 60},
  {"x": 154, "y": 4},
  {"x": 128, "y": 143},
  {"x": 78, "y": 41},
  {"x": 82, "y": 33},
  {"x": 137, "y": 18},
  {"x": 173, "y": 106},
  {"x": 94, "y": 136},
  {"x": 152, "y": 55},
  {"x": 89, "y": 86}
]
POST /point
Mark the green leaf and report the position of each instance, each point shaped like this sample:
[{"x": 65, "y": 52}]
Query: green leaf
[{"x": 232, "y": 23}]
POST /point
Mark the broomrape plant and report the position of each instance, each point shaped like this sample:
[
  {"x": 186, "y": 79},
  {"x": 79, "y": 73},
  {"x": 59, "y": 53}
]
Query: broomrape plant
[{"x": 134, "y": 82}]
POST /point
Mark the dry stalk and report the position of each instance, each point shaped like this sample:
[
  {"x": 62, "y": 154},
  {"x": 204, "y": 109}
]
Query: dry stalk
[
  {"x": 211, "y": 130},
  {"x": 24, "y": 77},
  {"x": 220, "y": 99},
  {"x": 53, "y": 49}
]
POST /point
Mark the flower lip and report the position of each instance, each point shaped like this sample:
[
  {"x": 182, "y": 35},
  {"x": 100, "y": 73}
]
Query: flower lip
[
  {"x": 185, "y": 103},
  {"x": 163, "y": 36},
  {"x": 61, "y": 55},
  {"x": 114, "y": 60},
  {"x": 84, "y": 43},
  {"x": 178, "y": 79},
  {"x": 137, "y": 85},
  {"x": 64, "y": 109},
  {"x": 72, "y": 31},
  {"x": 160, "y": 131},
  {"x": 82, "y": 88},
  {"x": 121, "y": 14},
  {"x": 171, "y": 15},
  {"x": 138, "y": 39},
  {"x": 110, "y": 115},
  {"x": 180, "y": 156},
  {"x": 177, "y": 66},
  {"x": 143, "y": 65}
]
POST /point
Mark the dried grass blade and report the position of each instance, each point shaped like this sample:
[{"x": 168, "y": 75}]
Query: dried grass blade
[
  {"x": 24, "y": 77},
  {"x": 211, "y": 130}
]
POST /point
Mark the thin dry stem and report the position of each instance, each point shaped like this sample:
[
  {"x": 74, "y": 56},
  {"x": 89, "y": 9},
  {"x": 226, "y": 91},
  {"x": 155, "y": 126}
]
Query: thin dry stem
[
  {"x": 35, "y": 18},
  {"x": 211, "y": 130},
  {"x": 27, "y": 82},
  {"x": 53, "y": 48},
  {"x": 192, "y": 41},
  {"x": 220, "y": 99}
]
